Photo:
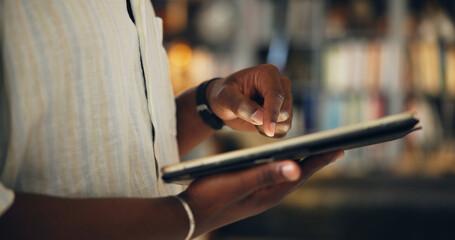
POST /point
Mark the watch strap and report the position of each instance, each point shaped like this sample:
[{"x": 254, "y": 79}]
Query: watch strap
[{"x": 203, "y": 107}]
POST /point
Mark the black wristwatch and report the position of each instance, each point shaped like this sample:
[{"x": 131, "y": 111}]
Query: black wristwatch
[{"x": 203, "y": 107}]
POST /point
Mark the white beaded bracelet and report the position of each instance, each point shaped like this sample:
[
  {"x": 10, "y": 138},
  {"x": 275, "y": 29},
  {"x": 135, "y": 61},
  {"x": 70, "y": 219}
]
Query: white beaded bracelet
[{"x": 190, "y": 215}]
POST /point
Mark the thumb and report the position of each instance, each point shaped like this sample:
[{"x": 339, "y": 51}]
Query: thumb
[{"x": 268, "y": 175}]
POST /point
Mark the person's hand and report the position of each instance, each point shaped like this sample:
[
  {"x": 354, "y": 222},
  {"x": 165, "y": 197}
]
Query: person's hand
[
  {"x": 221, "y": 199},
  {"x": 258, "y": 96}
]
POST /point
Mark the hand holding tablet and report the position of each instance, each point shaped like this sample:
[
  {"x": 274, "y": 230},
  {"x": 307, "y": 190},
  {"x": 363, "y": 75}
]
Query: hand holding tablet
[{"x": 342, "y": 138}]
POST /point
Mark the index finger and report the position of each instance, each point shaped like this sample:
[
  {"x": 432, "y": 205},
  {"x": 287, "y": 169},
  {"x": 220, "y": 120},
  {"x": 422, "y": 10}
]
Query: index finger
[
  {"x": 274, "y": 96},
  {"x": 272, "y": 105}
]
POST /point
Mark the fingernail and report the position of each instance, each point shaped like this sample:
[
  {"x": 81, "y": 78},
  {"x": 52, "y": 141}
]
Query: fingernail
[
  {"x": 257, "y": 117},
  {"x": 271, "y": 131},
  {"x": 289, "y": 172},
  {"x": 283, "y": 116}
]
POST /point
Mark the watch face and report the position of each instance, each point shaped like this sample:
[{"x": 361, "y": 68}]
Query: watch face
[{"x": 216, "y": 22}]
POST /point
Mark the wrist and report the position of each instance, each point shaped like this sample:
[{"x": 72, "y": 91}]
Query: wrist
[
  {"x": 190, "y": 215},
  {"x": 202, "y": 214},
  {"x": 204, "y": 92},
  {"x": 210, "y": 93}
]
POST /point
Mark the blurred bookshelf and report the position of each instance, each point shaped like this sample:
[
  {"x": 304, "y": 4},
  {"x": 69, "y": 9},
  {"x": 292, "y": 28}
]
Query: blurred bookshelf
[{"x": 349, "y": 61}]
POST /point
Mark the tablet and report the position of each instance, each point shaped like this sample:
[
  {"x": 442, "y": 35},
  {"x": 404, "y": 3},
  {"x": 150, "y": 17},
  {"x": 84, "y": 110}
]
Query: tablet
[{"x": 343, "y": 138}]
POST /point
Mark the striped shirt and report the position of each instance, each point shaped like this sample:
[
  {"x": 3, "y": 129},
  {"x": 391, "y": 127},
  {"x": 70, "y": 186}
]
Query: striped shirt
[{"x": 86, "y": 105}]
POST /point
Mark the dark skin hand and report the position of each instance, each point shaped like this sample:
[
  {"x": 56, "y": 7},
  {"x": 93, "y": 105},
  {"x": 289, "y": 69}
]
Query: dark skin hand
[
  {"x": 226, "y": 198},
  {"x": 215, "y": 200},
  {"x": 233, "y": 100}
]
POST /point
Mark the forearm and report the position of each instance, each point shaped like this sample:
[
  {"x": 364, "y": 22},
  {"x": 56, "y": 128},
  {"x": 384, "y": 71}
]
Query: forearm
[
  {"x": 191, "y": 129},
  {"x": 215, "y": 201},
  {"x": 43, "y": 217}
]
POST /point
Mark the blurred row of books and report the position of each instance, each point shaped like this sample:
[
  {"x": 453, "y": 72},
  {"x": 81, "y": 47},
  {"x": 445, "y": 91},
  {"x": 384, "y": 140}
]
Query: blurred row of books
[
  {"x": 432, "y": 67},
  {"x": 362, "y": 65}
]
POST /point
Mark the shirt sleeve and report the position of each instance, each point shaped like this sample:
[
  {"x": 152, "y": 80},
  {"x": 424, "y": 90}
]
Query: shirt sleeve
[{"x": 6, "y": 198}]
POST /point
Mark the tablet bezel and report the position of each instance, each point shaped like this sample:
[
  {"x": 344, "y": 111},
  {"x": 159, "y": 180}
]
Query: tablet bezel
[{"x": 343, "y": 138}]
